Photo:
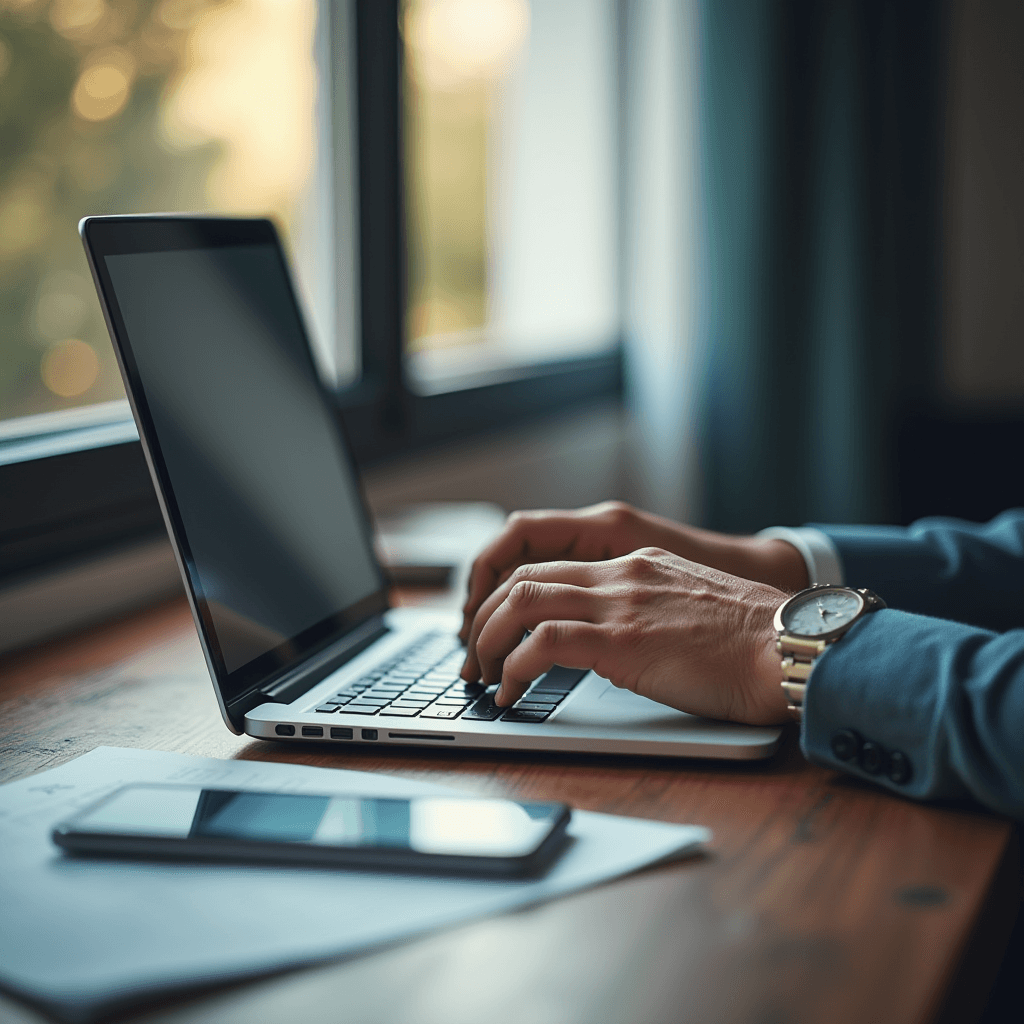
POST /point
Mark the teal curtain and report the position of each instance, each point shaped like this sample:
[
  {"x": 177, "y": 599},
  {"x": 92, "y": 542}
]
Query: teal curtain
[{"x": 821, "y": 164}]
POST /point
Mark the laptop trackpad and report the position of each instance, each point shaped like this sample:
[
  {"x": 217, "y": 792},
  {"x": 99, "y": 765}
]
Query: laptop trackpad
[{"x": 601, "y": 703}]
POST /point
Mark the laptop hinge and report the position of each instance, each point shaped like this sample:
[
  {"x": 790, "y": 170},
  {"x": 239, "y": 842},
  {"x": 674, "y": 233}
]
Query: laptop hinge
[{"x": 296, "y": 683}]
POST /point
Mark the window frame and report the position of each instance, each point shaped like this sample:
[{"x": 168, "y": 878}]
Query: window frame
[{"x": 63, "y": 497}]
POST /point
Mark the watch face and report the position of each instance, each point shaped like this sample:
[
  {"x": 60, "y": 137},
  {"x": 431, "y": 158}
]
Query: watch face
[{"x": 822, "y": 611}]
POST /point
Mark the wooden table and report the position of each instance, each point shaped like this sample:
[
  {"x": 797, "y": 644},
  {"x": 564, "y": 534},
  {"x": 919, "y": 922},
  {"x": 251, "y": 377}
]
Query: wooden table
[{"x": 822, "y": 899}]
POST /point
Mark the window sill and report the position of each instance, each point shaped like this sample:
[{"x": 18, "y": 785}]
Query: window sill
[
  {"x": 71, "y": 430},
  {"x": 35, "y": 606}
]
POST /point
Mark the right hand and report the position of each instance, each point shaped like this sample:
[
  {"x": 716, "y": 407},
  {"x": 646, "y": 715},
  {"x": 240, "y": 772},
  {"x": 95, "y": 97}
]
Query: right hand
[
  {"x": 679, "y": 633},
  {"x": 613, "y": 529}
]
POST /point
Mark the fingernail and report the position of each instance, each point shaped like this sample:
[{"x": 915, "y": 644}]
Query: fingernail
[{"x": 498, "y": 695}]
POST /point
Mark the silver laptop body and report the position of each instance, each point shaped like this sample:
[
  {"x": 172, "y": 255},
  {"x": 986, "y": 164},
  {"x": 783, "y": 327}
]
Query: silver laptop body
[{"x": 263, "y": 507}]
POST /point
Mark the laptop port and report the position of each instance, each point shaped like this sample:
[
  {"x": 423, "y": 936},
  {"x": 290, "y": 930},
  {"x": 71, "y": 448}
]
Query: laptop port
[
  {"x": 284, "y": 730},
  {"x": 341, "y": 734},
  {"x": 312, "y": 730},
  {"x": 419, "y": 736},
  {"x": 369, "y": 734}
]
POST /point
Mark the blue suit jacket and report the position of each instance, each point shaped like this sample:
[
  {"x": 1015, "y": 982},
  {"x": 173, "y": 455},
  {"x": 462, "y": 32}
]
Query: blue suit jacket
[{"x": 939, "y": 675}]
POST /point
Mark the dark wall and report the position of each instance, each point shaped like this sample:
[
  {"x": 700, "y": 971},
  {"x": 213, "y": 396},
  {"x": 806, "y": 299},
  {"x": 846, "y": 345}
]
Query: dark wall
[{"x": 961, "y": 451}]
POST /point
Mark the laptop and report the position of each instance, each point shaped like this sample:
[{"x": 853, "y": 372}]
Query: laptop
[{"x": 264, "y": 509}]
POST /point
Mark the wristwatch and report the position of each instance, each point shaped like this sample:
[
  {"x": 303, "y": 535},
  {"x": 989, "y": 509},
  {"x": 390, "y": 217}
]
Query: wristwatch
[{"x": 809, "y": 622}]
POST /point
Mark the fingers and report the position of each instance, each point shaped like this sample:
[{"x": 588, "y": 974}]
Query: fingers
[
  {"x": 577, "y": 574},
  {"x": 526, "y": 606},
  {"x": 572, "y": 644},
  {"x": 527, "y": 537}
]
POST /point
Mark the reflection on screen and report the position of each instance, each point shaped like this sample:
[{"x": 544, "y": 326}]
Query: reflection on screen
[{"x": 266, "y": 496}]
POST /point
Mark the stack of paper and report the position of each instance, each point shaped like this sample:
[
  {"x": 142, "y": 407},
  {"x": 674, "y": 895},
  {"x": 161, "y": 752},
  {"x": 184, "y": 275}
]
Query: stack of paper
[{"x": 81, "y": 937}]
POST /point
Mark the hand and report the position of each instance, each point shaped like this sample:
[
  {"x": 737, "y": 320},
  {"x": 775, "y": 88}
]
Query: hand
[
  {"x": 613, "y": 529},
  {"x": 673, "y": 630}
]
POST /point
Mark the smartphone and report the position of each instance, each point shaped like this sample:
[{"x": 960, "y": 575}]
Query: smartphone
[{"x": 437, "y": 834}]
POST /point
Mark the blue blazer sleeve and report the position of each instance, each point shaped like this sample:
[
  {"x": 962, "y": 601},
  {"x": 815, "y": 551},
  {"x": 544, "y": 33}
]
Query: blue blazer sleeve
[
  {"x": 948, "y": 568},
  {"x": 929, "y": 708}
]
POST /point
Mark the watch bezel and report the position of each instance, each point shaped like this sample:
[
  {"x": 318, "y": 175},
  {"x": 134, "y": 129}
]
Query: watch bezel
[{"x": 832, "y": 634}]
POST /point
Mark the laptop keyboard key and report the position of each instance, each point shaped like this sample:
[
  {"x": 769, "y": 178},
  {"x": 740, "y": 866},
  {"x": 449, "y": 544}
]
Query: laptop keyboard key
[
  {"x": 396, "y": 711},
  {"x": 524, "y": 717},
  {"x": 328, "y": 709},
  {"x": 484, "y": 710},
  {"x": 532, "y": 705},
  {"x": 441, "y": 712},
  {"x": 361, "y": 709},
  {"x": 560, "y": 678}
]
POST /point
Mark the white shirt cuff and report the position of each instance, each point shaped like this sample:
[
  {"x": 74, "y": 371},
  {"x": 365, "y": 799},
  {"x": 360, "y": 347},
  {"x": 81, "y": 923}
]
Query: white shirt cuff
[{"x": 820, "y": 555}]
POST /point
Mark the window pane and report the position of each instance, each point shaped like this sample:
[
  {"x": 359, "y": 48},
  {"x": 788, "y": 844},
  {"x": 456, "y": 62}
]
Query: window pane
[
  {"x": 510, "y": 135},
  {"x": 122, "y": 106}
]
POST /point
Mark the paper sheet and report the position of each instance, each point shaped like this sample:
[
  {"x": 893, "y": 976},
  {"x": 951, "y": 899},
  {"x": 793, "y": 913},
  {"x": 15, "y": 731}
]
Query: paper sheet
[{"x": 80, "y": 937}]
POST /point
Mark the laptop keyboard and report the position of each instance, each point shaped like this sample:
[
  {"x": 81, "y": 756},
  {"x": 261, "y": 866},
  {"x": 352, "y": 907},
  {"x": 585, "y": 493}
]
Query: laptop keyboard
[{"x": 423, "y": 682}]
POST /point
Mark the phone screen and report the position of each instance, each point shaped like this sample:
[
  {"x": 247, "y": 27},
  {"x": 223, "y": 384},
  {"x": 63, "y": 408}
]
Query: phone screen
[{"x": 433, "y": 826}]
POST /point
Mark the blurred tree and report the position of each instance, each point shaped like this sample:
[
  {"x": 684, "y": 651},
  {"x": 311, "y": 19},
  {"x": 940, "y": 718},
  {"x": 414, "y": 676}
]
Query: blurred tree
[{"x": 82, "y": 84}]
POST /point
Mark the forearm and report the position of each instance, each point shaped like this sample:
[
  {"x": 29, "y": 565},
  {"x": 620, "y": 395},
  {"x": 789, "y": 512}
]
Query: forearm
[{"x": 947, "y": 696}]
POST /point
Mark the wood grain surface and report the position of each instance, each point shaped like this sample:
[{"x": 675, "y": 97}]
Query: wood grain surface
[{"x": 821, "y": 898}]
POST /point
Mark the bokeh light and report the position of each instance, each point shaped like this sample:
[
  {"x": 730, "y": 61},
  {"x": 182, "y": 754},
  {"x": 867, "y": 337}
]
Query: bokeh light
[
  {"x": 249, "y": 85},
  {"x": 452, "y": 43},
  {"x": 76, "y": 18},
  {"x": 133, "y": 106},
  {"x": 70, "y": 368},
  {"x": 63, "y": 306},
  {"x": 22, "y": 220},
  {"x": 101, "y": 92}
]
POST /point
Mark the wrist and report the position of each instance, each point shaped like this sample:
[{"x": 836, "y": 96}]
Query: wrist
[
  {"x": 768, "y": 675},
  {"x": 765, "y": 560},
  {"x": 778, "y": 563}
]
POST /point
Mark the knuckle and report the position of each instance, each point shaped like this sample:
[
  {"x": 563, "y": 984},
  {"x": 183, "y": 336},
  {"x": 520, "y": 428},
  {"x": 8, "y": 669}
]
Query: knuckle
[
  {"x": 652, "y": 554},
  {"x": 523, "y": 593},
  {"x": 638, "y": 565},
  {"x": 521, "y": 573},
  {"x": 550, "y": 633},
  {"x": 645, "y": 563},
  {"x": 520, "y": 518},
  {"x": 617, "y": 513}
]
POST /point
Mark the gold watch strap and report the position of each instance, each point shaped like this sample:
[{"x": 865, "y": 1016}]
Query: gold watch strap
[
  {"x": 800, "y": 653},
  {"x": 798, "y": 657}
]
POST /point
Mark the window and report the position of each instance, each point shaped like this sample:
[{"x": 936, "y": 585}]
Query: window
[
  {"x": 117, "y": 106},
  {"x": 435, "y": 317},
  {"x": 510, "y": 156}
]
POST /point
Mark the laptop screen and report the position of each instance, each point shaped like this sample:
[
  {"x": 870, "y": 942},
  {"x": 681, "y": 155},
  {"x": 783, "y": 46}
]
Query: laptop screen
[{"x": 256, "y": 475}]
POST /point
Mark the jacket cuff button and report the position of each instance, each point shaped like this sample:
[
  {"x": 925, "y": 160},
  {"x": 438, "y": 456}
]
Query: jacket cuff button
[
  {"x": 845, "y": 744},
  {"x": 872, "y": 758},
  {"x": 900, "y": 769}
]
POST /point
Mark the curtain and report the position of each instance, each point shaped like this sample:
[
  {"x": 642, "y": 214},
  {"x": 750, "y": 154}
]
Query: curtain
[{"x": 820, "y": 162}]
